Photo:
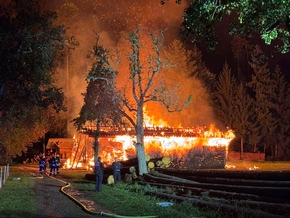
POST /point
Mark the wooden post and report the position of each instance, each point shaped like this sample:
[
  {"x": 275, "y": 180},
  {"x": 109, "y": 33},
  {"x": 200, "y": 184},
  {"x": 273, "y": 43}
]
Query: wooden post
[
  {"x": 1, "y": 179},
  {"x": 4, "y": 177},
  {"x": 8, "y": 170}
]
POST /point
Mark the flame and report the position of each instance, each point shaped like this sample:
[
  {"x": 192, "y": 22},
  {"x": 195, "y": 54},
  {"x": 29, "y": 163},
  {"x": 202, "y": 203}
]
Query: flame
[
  {"x": 150, "y": 120},
  {"x": 159, "y": 140},
  {"x": 68, "y": 164}
]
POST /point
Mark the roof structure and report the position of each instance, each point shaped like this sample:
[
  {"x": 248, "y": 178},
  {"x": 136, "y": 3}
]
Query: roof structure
[{"x": 63, "y": 144}]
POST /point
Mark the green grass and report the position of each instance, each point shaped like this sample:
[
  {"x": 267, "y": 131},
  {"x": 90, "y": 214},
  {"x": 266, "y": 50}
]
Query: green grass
[
  {"x": 130, "y": 200},
  {"x": 264, "y": 166},
  {"x": 17, "y": 195}
]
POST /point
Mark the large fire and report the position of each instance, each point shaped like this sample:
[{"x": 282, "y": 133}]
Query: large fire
[
  {"x": 160, "y": 140},
  {"x": 177, "y": 143}
]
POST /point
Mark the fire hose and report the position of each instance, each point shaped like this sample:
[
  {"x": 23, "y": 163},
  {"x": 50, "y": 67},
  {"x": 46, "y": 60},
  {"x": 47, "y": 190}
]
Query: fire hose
[{"x": 101, "y": 213}]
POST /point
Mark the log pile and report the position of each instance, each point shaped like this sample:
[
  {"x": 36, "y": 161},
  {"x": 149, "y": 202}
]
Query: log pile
[
  {"x": 233, "y": 196},
  {"x": 206, "y": 157}
]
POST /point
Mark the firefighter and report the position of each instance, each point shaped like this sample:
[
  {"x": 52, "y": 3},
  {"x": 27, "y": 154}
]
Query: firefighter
[
  {"x": 99, "y": 170},
  {"x": 42, "y": 163},
  {"x": 52, "y": 164},
  {"x": 116, "y": 170},
  {"x": 57, "y": 163}
]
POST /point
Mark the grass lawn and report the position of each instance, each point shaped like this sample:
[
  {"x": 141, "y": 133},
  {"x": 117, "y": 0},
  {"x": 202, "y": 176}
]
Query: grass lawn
[
  {"x": 121, "y": 199},
  {"x": 16, "y": 194},
  {"x": 264, "y": 166},
  {"x": 130, "y": 200}
]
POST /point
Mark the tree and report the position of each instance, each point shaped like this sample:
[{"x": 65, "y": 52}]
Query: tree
[
  {"x": 242, "y": 49},
  {"x": 269, "y": 19},
  {"x": 223, "y": 97},
  {"x": 145, "y": 85},
  {"x": 194, "y": 78},
  {"x": 99, "y": 105},
  {"x": 280, "y": 105},
  {"x": 144, "y": 88},
  {"x": 244, "y": 122},
  {"x": 31, "y": 48},
  {"x": 262, "y": 86}
]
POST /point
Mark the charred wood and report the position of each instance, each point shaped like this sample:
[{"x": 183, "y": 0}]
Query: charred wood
[
  {"x": 232, "y": 174},
  {"x": 276, "y": 192},
  {"x": 186, "y": 190},
  {"x": 235, "y": 199}
]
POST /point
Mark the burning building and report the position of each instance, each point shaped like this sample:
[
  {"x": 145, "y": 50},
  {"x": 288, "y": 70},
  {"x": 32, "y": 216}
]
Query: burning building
[{"x": 187, "y": 148}]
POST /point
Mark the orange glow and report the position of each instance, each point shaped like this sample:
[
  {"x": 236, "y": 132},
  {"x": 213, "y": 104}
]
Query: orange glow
[
  {"x": 159, "y": 140},
  {"x": 150, "y": 121},
  {"x": 121, "y": 146}
]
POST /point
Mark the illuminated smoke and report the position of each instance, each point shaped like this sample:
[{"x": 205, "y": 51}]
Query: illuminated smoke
[{"x": 112, "y": 20}]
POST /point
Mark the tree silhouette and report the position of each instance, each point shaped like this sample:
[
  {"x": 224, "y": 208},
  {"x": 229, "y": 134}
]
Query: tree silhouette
[
  {"x": 262, "y": 86},
  {"x": 99, "y": 106},
  {"x": 280, "y": 107},
  {"x": 31, "y": 47},
  {"x": 224, "y": 97},
  {"x": 244, "y": 122}
]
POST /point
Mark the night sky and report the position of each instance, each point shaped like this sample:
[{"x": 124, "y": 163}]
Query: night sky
[{"x": 113, "y": 19}]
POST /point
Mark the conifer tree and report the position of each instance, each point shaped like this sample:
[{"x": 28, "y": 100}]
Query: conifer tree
[
  {"x": 280, "y": 107},
  {"x": 223, "y": 97},
  {"x": 100, "y": 107},
  {"x": 244, "y": 122},
  {"x": 262, "y": 86}
]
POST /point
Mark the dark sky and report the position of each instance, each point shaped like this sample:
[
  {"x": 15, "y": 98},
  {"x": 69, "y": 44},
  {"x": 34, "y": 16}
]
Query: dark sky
[
  {"x": 112, "y": 19},
  {"x": 116, "y": 16}
]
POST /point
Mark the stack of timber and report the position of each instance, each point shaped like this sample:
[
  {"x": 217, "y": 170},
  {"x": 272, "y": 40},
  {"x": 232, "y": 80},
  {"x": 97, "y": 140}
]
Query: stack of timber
[
  {"x": 129, "y": 170},
  {"x": 233, "y": 196},
  {"x": 205, "y": 157}
]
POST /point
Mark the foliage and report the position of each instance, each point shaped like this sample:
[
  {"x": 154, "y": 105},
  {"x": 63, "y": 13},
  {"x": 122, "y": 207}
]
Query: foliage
[
  {"x": 256, "y": 110},
  {"x": 31, "y": 48},
  {"x": 269, "y": 89},
  {"x": 223, "y": 97},
  {"x": 269, "y": 19},
  {"x": 99, "y": 104},
  {"x": 262, "y": 86},
  {"x": 193, "y": 78},
  {"x": 281, "y": 105},
  {"x": 245, "y": 125}
]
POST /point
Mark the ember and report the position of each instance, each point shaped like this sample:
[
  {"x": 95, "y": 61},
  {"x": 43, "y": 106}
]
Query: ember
[{"x": 198, "y": 147}]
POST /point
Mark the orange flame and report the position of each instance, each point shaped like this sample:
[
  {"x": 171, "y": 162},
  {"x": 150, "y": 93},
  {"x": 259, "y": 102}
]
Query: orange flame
[{"x": 159, "y": 141}]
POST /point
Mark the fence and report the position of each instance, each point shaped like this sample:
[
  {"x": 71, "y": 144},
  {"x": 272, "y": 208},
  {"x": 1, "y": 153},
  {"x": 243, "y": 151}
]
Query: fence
[{"x": 4, "y": 174}]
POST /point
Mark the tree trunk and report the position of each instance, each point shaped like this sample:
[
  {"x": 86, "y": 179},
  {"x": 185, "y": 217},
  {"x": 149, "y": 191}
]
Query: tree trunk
[
  {"x": 242, "y": 149},
  {"x": 96, "y": 142},
  {"x": 140, "y": 141}
]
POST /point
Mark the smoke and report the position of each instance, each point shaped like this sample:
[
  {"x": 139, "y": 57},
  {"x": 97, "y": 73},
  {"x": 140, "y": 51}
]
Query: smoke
[{"x": 113, "y": 20}]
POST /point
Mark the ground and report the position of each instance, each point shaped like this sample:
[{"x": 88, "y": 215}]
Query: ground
[{"x": 53, "y": 203}]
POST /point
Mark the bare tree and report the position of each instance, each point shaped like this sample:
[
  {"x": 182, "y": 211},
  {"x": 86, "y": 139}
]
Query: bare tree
[
  {"x": 144, "y": 88},
  {"x": 145, "y": 85}
]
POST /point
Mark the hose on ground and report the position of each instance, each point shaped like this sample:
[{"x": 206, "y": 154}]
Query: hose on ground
[{"x": 101, "y": 213}]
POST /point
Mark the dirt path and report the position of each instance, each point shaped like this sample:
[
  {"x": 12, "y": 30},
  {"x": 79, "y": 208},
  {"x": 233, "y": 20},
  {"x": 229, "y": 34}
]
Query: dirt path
[{"x": 52, "y": 203}]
